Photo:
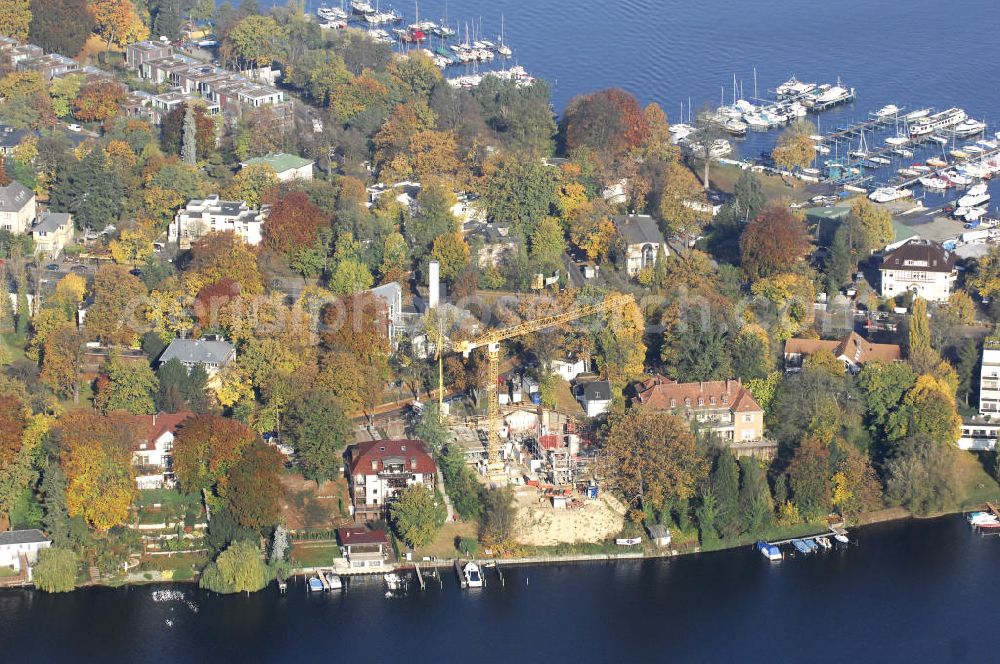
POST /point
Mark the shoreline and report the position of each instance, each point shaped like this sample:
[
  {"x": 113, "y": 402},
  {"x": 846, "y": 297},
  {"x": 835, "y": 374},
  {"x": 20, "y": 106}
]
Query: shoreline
[{"x": 869, "y": 519}]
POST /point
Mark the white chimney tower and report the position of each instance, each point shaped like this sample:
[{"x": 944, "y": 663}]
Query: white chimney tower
[{"x": 433, "y": 290}]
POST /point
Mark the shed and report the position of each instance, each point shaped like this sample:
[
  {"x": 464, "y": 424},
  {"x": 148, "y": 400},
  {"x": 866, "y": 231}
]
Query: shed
[
  {"x": 827, "y": 220},
  {"x": 659, "y": 534}
]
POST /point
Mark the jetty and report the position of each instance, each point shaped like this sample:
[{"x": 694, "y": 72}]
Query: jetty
[{"x": 420, "y": 576}]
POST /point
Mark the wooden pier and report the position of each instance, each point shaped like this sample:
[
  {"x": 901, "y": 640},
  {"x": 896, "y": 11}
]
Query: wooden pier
[
  {"x": 458, "y": 573},
  {"x": 420, "y": 577},
  {"x": 496, "y": 564}
]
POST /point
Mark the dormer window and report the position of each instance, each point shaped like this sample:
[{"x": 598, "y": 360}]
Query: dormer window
[
  {"x": 402, "y": 448},
  {"x": 687, "y": 401},
  {"x": 673, "y": 403},
  {"x": 701, "y": 401},
  {"x": 711, "y": 400}
]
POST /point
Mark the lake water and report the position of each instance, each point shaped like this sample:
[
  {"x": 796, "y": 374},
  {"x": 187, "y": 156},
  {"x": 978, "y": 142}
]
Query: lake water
[
  {"x": 916, "y": 591},
  {"x": 684, "y": 55}
]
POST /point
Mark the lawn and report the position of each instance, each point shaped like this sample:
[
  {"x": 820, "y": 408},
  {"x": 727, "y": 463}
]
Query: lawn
[
  {"x": 724, "y": 178},
  {"x": 444, "y": 544},
  {"x": 977, "y": 486},
  {"x": 179, "y": 561},
  {"x": 314, "y": 555},
  {"x": 7, "y": 571}
]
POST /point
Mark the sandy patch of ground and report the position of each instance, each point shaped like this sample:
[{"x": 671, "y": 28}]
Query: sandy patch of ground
[{"x": 541, "y": 525}]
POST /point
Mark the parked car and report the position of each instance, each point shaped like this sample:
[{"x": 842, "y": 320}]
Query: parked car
[{"x": 52, "y": 267}]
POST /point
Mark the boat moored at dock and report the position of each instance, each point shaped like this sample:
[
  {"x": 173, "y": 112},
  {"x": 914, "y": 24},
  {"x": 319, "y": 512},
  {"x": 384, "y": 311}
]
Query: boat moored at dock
[{"x": 769, "y": 551}]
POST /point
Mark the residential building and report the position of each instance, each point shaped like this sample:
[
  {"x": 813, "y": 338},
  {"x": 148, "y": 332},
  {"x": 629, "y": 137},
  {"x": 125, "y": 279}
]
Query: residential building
[
  {"x": 364, "y": 548},
  {"x": 920, "y": 267},
  {"x": 286, "y": 166},
  {"x": 10, "y": 138},
  {"x": 152, "y": 452},
  {"x": 21, "y": 546},
  {"x": 212, "y": 215},
  {"x": 642, "y": 240},
  {"x": 52, "y": 232},
  {"x": 724, "y": 407},
  {"x": 595, "y": 397},
  {"x": 567, "y": 369},
  {"x": 379, "y": 469},
  {"x": 49, "y": 66},
  {"x": 989, "y": 378},
  {"x": 853, "y": 350},
  {"x": 140, "y": 52},
  {"x": 17, "y": 208},
  {"x": 213, "y": 354}
]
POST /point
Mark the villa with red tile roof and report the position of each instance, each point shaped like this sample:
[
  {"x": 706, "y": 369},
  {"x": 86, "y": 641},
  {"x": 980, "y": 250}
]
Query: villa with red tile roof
[
  {"x": 724, "y": 407},
  {"x": 853, "y": 350},
  {"x": 152, "y": 450},
  {"x": 379, "y": 469}
]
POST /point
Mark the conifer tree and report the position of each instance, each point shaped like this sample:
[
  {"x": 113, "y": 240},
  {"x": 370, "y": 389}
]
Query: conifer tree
[
  {"x": 726, "y": 488},
  {"x": 189, "y": 147},
  {"x": 756, "y": 505}
]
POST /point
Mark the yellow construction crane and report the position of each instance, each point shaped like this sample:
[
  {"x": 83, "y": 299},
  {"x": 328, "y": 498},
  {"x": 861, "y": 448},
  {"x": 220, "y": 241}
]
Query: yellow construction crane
[{"x": 491, "y": 340}]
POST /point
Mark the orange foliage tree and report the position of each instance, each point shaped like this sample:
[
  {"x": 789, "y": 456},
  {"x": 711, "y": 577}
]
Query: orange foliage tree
[
  {"x": 293, "y": 223},
  {"x": 773, "y": 243},
  {"x": 608, "y": 121},
  {"x": 95, "y": 452},
  {"x": 98, "y": 101},
  {"x": 206, "y": 447}
]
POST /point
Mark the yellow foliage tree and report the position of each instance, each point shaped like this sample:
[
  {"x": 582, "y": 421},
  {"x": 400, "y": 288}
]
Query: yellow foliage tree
[
  {"x": 131, "y": 248},
  {"x": 794, "y": 148},
  {"x": 118, "y": 22}
]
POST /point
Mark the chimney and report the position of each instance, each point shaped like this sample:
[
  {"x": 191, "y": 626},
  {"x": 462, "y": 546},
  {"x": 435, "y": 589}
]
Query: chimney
[{"x": 433, "y": 290}]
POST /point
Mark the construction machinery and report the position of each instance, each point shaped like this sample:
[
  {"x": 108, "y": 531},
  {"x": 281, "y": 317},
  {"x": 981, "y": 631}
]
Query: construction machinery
[{"x": 491, "y": 341}]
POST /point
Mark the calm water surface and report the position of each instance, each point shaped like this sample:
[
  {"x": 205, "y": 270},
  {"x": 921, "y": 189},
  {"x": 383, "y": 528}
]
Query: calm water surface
[{"x": 917, "y": 591}]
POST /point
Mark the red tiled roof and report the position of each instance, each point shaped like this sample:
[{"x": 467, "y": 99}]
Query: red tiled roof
[
  {"x": 662, "y": 393},
  {"x": 414, "y": 454},
  {"x": 360, "y": 535},
  {"x": 154, "y": 426},
  {"x": 932, "y": 255},
  {"x": 854, "y": 347}
]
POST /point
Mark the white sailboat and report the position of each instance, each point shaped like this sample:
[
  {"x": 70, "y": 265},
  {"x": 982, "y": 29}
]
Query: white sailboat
[{"x": 503, "y": 49}]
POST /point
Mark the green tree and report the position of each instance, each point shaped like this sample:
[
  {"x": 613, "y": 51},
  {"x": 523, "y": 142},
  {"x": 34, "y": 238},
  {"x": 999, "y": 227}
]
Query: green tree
[
  {"x": 431, "y": 429},
  {"x": 547, "y": 243},
  {"x": 129, "y": 386},
  {"x": 498, "y": 520},
  {"x": 237, "y": 569},
  {"x": 55, "y": 571},
  {"x": 922, "y": 477},
  {"x": 756, "y": 505},
  {"x": 919, "y": 336},
  {"x": 319, "y": 430},
  {"x": 809, "y": 477},
  {"x": 252, "y": 488},
  {"x": 725, "y": 481},
  {"x": 417, "y": 514},
  {"x": 749, "y": 194},
  {"x": 706, "y": 514},
  {"x": 461, "y": 483},
  {"x": 519, "y": 191},
  {"x": 883, "y": 387},
  {"x": 189, "y": 145},
  {"x": 60, "y": 26}
]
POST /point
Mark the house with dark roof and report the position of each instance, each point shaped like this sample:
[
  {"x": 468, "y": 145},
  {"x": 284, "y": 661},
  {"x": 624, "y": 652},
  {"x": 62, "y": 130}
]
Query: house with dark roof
[
  {"x": 152, "y": 450},
  {"x": 21, "y": 546},
  {"x": 10, "y": 138},
  {"x": 642, "y": 239},
  {"x": 17, "y": 208},
  {"x": 724, "y": 407},
  {"x": 52, "y": 232},
  {"x": 594, "y": 396},
  {"x": 212, "y": 353},
  {"x": 853, "y": 350},
  {"x": 378, "y": 470},
  {"x": 920, "y": 267},
  {"x": 364, "y": 548}
]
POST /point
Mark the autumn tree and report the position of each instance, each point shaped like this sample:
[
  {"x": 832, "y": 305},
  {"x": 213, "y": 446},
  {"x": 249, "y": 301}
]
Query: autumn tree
[
  {"x": 682, "y": 202},
  {"x": 114, "y": 317},
  {"x": 452, "y": 252},
  {"x": 252, "y": 183},
  {"x": 856, "y": 487},
  {"x": 809, "y": 477},
  {"x": 172, "y": 130},
  {"x": 610, "y": 122},
  {"x": 875, "y": 224},
  {"x": 118, "y": 22},
  {"x": 218, "y": 256},
  {"x": 919, "y": 333},
  {"x": 417, "y": 514},
  {"x": 62, "y": 359},
  {"x": 651, "y": 458},
  {"x": 96, "y": 455},
  {"x": 795, "y": 148},
  {"x": 620, "y": 348},
  {"x": 15, "y": 18},
  {"x": 252, "y": 487},
  {"x": 98, "y": 100},
  {"x": 293, "y": 223},
  {"x": 772, "y": 243},
  {"x": 206, "y": 447}
]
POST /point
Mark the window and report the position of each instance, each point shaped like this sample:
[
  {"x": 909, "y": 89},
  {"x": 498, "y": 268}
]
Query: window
[
  {"x": 748, "y": 435},
  {"x": 748, "y": 417}
]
